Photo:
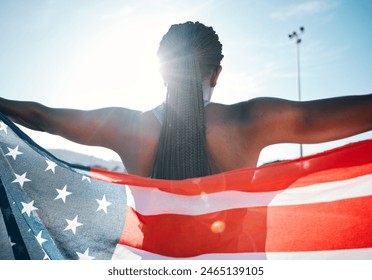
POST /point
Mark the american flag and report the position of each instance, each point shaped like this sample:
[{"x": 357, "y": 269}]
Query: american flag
[
  {"x": 316, "y": 207},
  {"x": 52, "y": 210}
]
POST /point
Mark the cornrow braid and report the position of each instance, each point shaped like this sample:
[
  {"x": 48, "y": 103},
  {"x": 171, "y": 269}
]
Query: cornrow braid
[{"x": 189, "y": 52}]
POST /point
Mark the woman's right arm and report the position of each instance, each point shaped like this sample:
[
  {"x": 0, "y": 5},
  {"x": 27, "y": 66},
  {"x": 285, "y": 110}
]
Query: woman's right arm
[{"x": 316, "y": 121}]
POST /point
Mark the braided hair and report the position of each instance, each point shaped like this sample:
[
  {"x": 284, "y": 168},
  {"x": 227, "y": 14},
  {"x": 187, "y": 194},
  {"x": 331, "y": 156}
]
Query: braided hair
[{"x": 188, "y": 53}]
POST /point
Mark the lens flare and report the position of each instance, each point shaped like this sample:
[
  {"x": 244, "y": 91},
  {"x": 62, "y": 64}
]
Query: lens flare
[{"x": 218, "y": 227}]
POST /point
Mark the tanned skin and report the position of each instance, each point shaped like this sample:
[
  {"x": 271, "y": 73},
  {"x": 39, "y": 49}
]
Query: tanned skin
[{"x": 236, "y": 133}]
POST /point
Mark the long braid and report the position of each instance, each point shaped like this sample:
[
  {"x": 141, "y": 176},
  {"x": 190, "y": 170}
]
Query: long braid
[{"x": 188, "y": 52}]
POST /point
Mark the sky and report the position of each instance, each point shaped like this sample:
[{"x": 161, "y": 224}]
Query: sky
[{"x": 92, "y": 54}]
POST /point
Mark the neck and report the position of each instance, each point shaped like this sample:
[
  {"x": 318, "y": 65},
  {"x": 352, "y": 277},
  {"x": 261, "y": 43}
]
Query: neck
[{"x": 207, "y": 93}]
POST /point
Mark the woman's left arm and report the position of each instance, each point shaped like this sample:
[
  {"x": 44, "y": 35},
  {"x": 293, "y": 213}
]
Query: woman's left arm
[{"x": 316, "y": 121}]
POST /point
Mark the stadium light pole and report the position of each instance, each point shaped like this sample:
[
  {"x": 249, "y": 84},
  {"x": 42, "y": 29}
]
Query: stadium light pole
[{"x": 297, "y": 37}]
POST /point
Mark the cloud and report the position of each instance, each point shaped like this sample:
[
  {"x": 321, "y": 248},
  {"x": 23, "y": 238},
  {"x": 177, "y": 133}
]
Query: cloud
[
  {"x": 240, "y": 85},
  {"x": 122, "y": 13},
  {"x": 302, "y": 9},
  {"x": 325, "y": 52}
]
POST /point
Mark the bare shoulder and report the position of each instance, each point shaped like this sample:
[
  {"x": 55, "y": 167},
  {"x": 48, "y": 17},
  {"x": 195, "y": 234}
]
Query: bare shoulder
[
  {"x": 233, "y": 134},
  {"x": 134, "y": 124},
  {"x": 135, "y": 139},
  {"x": 253, "y": 110},
  {"x": 262, "y": 120}
]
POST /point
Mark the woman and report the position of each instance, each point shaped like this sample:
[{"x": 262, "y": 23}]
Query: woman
[{"x": 188, "y": 136}]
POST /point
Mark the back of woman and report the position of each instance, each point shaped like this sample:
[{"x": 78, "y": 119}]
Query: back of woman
[
  {"x": 190, "y": 56},
  {"x": 188, "y": 136}
]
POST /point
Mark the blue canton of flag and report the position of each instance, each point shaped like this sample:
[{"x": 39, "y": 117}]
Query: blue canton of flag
[{"x": 50, "y": 209}]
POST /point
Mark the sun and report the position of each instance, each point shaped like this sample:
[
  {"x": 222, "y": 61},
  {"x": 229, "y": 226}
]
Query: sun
[{"x": 114, "y": 67}]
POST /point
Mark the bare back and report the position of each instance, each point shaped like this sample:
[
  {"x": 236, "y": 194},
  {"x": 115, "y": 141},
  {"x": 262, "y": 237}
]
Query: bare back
[
  {"x": 235, "y": 134},
  {"x": 228, "y": 147}
]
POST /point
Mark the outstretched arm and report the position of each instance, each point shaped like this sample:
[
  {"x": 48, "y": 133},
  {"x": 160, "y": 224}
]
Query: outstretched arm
[
  {"x": 100, "y": 127},
  {"x": 283, "y": 121}
]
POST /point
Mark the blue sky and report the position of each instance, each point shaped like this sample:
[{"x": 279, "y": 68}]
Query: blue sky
[{"x": 91, "y": 54}]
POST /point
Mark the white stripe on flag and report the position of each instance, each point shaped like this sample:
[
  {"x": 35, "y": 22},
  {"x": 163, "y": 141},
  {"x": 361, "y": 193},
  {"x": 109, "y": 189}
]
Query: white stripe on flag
[
  {"x": 151, "y": 201},
  {"x": 128, "y": 253}
]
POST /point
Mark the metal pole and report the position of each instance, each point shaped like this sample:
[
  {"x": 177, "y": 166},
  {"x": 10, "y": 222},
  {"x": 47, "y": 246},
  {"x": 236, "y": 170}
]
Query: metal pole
[
  {"x": 295, "y": 35},
  {"x": 299, "y": 82},
  {"x": 298, "y": 72}
]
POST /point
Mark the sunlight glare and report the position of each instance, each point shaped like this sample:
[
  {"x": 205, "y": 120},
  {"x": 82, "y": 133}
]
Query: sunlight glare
[
  {"x": 118, "y": 64},
  {"x": 218, "y": 227}
]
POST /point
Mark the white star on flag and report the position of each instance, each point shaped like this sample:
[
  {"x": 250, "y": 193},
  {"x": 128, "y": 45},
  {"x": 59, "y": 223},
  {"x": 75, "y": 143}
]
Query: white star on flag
[
  {"x": 46, "y": 257},
  {"x": 4, "y": 127},
  {"x": 85, "y": 255},
  {"x": 40, "y": 239},
  {"x": 13, "y": 152},
  {"x": 11, "y": 242},
  {"x": 85, "y": 178},
  {"x": 21, "y": 179},
  {"x": 28, "y": 208},
  {"x": 73, "y": 224},
  {"x": 62, "y": 194},
  {"x": 51, "y": 166},
  {"x": 103, "y": 204}
]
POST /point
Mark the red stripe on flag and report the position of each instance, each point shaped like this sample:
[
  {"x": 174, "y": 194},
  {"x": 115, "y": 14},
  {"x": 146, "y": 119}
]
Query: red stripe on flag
[
  {"x": 307, "y": 227},
  {"x": 337, "y": 164},
  {"x": 344, "y": 224}
]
